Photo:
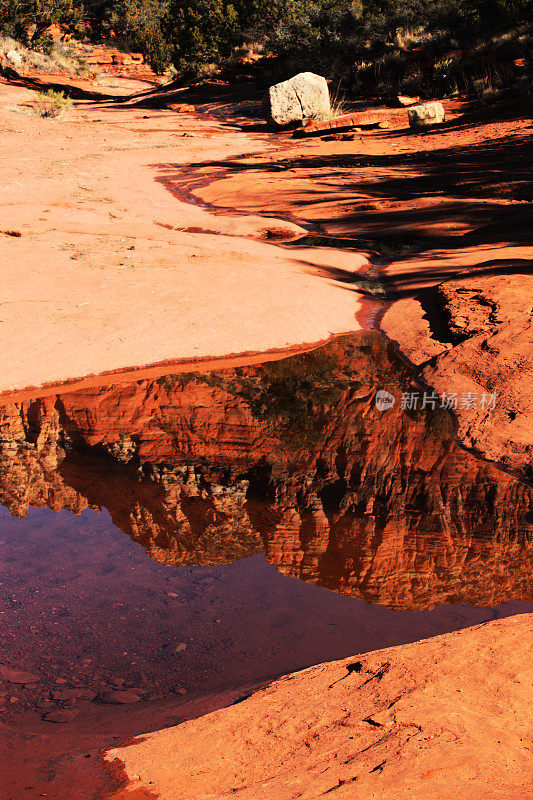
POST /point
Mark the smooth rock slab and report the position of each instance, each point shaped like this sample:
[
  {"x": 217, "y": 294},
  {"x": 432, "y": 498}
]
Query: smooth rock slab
[
  {"x": 305, "y": 96},
  {"x": 426, "y": 114},
  {"x": 61, "y": 715}
]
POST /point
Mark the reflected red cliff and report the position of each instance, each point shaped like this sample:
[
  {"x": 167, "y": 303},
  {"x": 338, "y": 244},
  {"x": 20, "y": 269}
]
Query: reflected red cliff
[{"x": 292, "y": 457}]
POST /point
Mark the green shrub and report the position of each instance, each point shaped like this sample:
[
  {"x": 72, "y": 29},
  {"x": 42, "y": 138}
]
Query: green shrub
[
  {"x": 366, "y": 46},
  {"x": 382, "y": 47},
  {"x": 52, "y": 104},
  {"x": 44, "y": 44},
  {"x": 28, "y": 20}
]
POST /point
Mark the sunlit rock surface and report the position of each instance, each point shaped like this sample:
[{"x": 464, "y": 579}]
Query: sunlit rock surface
[{"x": 440, "y": 718}]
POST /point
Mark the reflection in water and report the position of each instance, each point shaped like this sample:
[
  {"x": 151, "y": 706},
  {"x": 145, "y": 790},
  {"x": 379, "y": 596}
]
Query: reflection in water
[{"x": 291, "y": 457}]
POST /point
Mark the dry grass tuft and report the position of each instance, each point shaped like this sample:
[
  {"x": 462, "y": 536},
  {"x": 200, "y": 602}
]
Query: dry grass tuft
[{"x": 52, "y": 104}]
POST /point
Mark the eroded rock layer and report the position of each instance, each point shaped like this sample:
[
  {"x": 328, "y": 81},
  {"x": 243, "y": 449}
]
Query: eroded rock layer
[{"x": 474, "y": 335}]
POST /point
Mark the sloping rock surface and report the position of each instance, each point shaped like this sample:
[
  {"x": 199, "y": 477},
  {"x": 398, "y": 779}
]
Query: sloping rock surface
[{"x": 442, "y": 717}]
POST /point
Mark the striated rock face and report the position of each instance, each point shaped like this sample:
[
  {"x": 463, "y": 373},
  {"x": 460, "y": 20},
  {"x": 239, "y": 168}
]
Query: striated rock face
[
  {"x": 179, "y": 513},
  {"x": 440, "y": 718},
  {"x": 292, "y": 457},
  {"x": 477, "y": 337},
  {"x": 31, "y": 450}
]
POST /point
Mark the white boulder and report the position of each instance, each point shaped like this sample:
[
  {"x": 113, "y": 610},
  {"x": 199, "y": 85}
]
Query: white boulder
[
  {"x": 426, "y": 114},
  {"x": 305, "y": 96},
  {"x": 14, "y": 56}
]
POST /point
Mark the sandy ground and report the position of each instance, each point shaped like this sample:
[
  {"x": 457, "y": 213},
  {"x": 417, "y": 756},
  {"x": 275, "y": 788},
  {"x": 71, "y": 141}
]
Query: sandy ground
[
  {"x": 445, "y": 716},
  {"x": 107, "y": 274}
]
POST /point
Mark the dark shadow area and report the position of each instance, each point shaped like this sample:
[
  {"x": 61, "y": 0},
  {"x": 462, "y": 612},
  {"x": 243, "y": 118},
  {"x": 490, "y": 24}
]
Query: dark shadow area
[
  {"x": 429, "y": 195},
  {"x": 224, "y": 101},
  {"x": 429, "y": 198},
  {"x": 75, "y": 92},
  {"x": 408, "y": 284},
  {"x": 503, "y": 166}
]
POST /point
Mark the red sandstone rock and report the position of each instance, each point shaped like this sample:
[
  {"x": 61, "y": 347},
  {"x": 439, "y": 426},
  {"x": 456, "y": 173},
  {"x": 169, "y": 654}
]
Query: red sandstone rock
[
  {"x": 61, "y": 715},
  {"x": 181, "y": 107},
  {"x": 119, "y": 696},
  {"x": 99, "y": 56},
  {"x": 459, "y": 185},
  {"x": 179, "y": 294},
  {"x": 316, "y": 127},
  {"x": 399, "y": 514},
  {"x": 487, "y": 324},
  {"x": 443, "y": 717}
]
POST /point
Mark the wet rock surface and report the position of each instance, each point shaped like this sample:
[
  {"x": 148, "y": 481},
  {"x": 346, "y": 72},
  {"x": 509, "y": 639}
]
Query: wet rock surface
[
  {"x": 61, "y": 716},
  {"x": 16, "y": 675},
  {"x": 119, "y": 696}
]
